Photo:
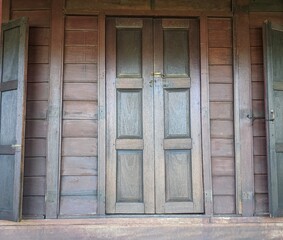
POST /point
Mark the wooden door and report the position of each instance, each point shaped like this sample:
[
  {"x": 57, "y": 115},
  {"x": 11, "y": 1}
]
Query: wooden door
[
  {"x": 273, "y": 56},
  {"x": 153, "y": 116},
  {"x": 12, "y": 117}
]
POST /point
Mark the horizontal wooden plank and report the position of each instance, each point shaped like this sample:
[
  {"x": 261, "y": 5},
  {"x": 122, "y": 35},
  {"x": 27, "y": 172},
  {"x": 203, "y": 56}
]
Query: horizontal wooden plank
[
  {"x": 78, "y": 185},
  {"x": 80, "y": 128},
  {"x": 129, "y": 144},
  {"x": 80, "y": 22},
  {"x": 257, "y": 90},
  {"x": 6, "y": 150},
  {"x": 80, "y": 91},
  {"x": 39, "y": 36},
  {"x": 220, "y": 92},
  {"x": 38, "y": 54},
  {"x": 259, "y": 128},
  {"x": 258, "y": 108},
  {"x": 80, "y": 73},
  {"x": 256, "y": 37},
  {"x": 257, "y": 19},
  {"x": 75, "y": 110},
  {"x": 81, "y": 38},
  {"x": 260, "y": 165},
  {"x": 223, "y": 185},
  {"x": 221, "y": 110},
  {"x": 38, "y": 18},
  {"x": 35, "y": 148},
  {"x": 34, "y": 205},
  {"x": 261, "y": 203},
  {"x": 220, "y": 74},
  {"x": 219, "y": 24},
  {"x": 78, "y": 205},
  {"x": 34, "y": 186},
  {"x": 179, "y": 143},
  {"x": 224, "y": 204},
  {"x": 256, "y": 55},
  {"x": 219, "y": 38},
  {"x": 175, "y": 23},
  {"x": 38, "y": 72},
  {"x": 129, "y": 83},
  {"x": 35, "y": 167},
  {"x": 77, "y": 147},
  {"x": 266, "y": 6},
  {"x": 30, "y": 4},
  {"x": 37, "y": 109},
  {"x": 259, "y": 146},
  {"x": 81, "y": 54},
  {"x": 222, "y": 129},
  {"x": 129, "y": 23},
  {"x": 222, "y": 147},
  {"x": 36, "y": 129},
  {"x": 261, "y": 184},
  {"x": 38, "y": 91},
  {"x": 9, "y": 86},
  {"x": 219, "y": 56},
  {"x": 257, "y": 73},
  {"x": 79, "y": 166},
  {"x": 222, "y": 166}
]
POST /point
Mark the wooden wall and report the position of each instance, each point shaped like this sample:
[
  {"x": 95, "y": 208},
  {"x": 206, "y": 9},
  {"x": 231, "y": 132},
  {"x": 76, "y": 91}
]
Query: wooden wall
[{"x": 37, "y": 102}]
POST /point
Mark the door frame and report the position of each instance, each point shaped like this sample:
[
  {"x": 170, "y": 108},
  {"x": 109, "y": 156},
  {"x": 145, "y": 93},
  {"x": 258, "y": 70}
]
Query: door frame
[{"x": 204, "y": 110}]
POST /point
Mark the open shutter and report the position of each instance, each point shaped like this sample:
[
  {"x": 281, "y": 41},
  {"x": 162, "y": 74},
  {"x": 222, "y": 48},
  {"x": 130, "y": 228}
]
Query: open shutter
[
  {"x": 12, "y": 116},
  {"x": 273, "y": 50}
]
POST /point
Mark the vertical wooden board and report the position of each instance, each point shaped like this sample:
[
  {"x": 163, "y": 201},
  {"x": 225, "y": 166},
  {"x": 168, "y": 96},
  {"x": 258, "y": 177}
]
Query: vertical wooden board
[
  {"x": 38, "y": 18},
  {"x": 76, "y": 147},
  {"x": 79, "y": 166},
  {"x": 80, "y": 128},
  {"x": 78, "y": 185},
  {"x": 224, "y": 205}
]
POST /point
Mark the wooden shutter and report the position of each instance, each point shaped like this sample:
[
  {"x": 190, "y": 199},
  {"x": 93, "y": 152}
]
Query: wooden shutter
[
  {"x": 273, "y": 56},
  {"x": 12, "y": 116}
]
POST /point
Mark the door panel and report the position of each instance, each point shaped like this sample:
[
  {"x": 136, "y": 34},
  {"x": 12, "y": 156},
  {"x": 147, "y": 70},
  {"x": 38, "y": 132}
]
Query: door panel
[
  {"x": 12, "y": 117},
  {"x": 153, "y": 110}
]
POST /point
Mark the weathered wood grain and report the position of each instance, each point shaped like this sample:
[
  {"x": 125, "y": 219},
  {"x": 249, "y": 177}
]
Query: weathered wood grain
[
  {"x": 37, "y": 109},
  {"x": 89, "y": 38},
  {"x": 78, "y": 185},
  {"x": 260, "y": 165},
  {"x": 39, "y": 54},
  {"x": 257, "y": 90},
  {"x": 29, "y": 4},
  {"x": 80, "y": 91},
  {"x": 224, "y": 185},
  {"x": 223, "y": 166},
  {"x": 38, "y": 72},
  {"x": 80, "y": 73},
  {"x": 76, "y": 147},
  {"x": 224, "y": 205},
  {"x": 221, "y": 110},
  {"x": 36, "y": 129},
  {"x": 34, "y": 186},
  {"x": 35, "y": 166},
  {"x": 79, "y": 166},
  {"x": 222, "y": 147},
  {"x": 222, "y": 129},
  {"x": 259, "y": 146},
  {"x": 261, "y": 184},
  {"x": 80, "y": 128},
  {"x": 81, "y": 23},
  {"x": 38, "y": 18},
  {"x": 34, "y": 206},
  {"x": 80, "y": 110},
  {"x": 220, "y": 56},
  {"x": 220, "y": 74},
  {"x": 221, "y": 92},
  {"x": 257, "y": 73},
  {"x": 35, "y": 148},
  {"x": 39, "y": 36},
  {"x": 37, "y": 91}
]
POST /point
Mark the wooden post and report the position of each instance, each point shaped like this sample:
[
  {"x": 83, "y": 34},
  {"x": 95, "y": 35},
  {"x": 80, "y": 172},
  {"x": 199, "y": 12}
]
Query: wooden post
[
  {"x": 243, "y": 112},
  {"x": 207, "y": 174},
  {"x": 102, "y": 117},
  {"x": 55, "y": 111}
]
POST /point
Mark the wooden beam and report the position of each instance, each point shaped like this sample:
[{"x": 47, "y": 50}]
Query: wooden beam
[
  {"x": 55, "y": 111},
  {"x": 242, "y": 109},
  {"x": 206, "y": 145},
  {"x": 102, "y": 117}
]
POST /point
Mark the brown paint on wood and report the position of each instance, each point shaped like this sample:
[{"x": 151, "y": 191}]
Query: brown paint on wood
[
  {"x": 80, "y": 128},
  {"x": 219, "y": 56},
  {"x": 78, "y": 185},
  {"x": 220, "y": 74},
  {"x": 38, "y": 72},
  {"x": 35, "y": 148},
  {"x": 38, "y": 18},
  {"x": 37, "y": 109},
  {"x": 30, "y": 4},
  {"x": 224, "y": 204},
  {"x": 222, "y": 129},
  {"x": 80, "y": 73},
  {"x": 223, "y": 185},
  {"x": 78, "y": 205},
  {"x": 38, "y": 91},
  {"x": 36, "y": 129},
  {"x": 34, "y": 186},
  {"x": 261, "y": 184},
  {"x": 222, "y": 166},
  {"x": 257, "y": 73},
  {"x": 260, "y": 165},
  {"x": 81, "y": 23},
  {"x": 259, "y": 146},
  {"x": 256, "y": 55},
  {"x": 76, "y": 147},
  {"x": 221, "y": 110},
  {"x": 80, "y": 110},
  {"x": 222, "y": 147},
  {"x": 80, "y": 91},
  {"x": 221, "y": 92},
  {"x": 39, "y": 36},
  {"x": 38, "y": 54},
  {"x": 79, "y": 166},
  {"x": 35, "y": 166}
]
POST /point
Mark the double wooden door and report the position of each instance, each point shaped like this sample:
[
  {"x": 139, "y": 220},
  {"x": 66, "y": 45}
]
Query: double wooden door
[{"x": 153, "y": 162}]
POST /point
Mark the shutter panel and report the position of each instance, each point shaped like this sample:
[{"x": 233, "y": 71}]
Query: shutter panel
[
  {"x": 12, "y": 116},
  {"x": 273, "y": 50}
]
